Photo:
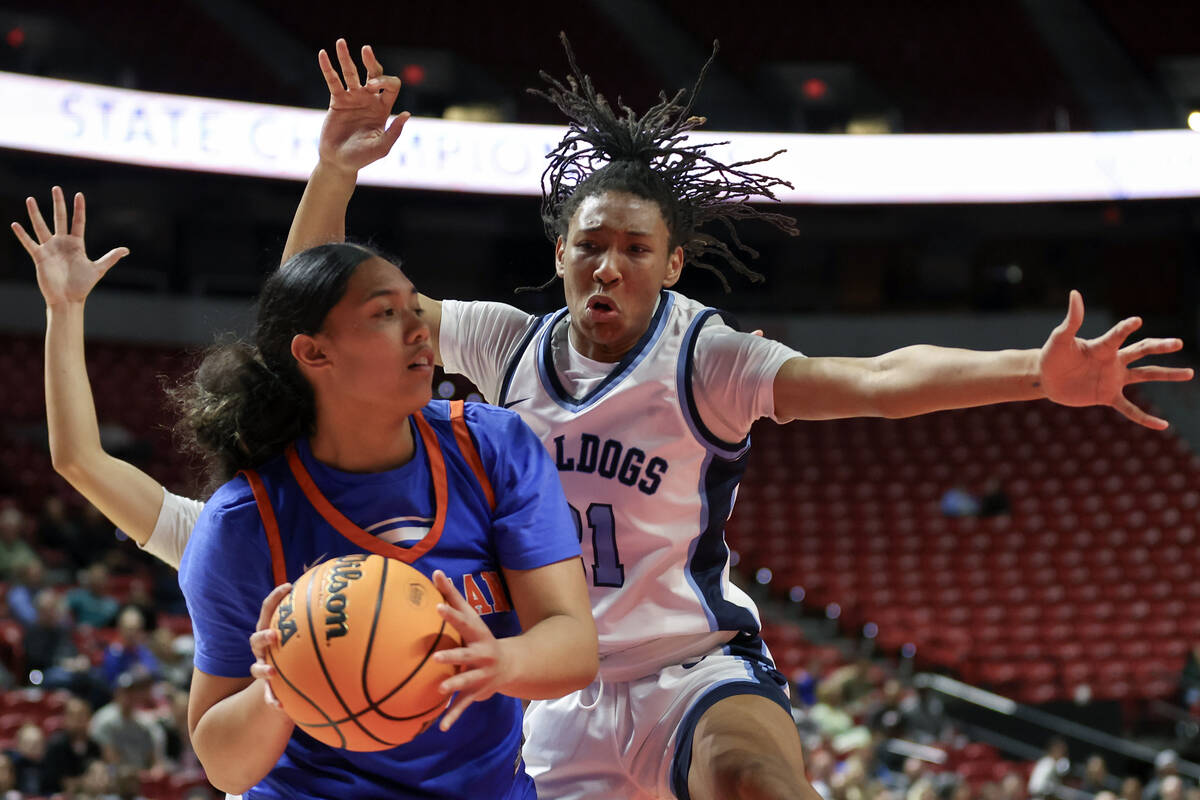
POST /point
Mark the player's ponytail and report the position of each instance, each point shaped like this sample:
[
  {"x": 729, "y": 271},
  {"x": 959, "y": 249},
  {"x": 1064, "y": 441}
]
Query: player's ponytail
[{"x": 247, "y": 402}]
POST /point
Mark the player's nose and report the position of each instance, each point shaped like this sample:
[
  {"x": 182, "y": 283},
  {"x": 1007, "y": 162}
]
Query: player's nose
[{"x": 607, "y": 270}]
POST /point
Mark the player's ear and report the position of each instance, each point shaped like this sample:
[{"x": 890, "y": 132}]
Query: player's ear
[
  {"x": 560, "y": 248},
  {"x": 308, "y": 352},
  {"x": 674, "y": 267}
]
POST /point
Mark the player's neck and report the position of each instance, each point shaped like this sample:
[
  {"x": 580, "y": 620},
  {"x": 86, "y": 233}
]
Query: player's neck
[{"x": 354, "y": 442}]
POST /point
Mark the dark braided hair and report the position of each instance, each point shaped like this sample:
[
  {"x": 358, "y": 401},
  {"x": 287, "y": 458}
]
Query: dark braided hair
[
  {"x": 248, "y": 400},
  {"x": 647, "y": 156}
]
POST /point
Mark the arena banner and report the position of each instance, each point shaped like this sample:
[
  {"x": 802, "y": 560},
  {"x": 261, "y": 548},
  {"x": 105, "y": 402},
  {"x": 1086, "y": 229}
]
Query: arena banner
[{"x": 192, "y": 133}]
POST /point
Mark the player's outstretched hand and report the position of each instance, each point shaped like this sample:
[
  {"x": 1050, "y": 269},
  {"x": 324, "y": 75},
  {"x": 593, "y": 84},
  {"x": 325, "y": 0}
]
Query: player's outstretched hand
[
  {"x": 356, "y": 130},
  {"x": 263, "y": 637},
  {"x": 484, "y": 662},
  {"x": 1085, "y": 372},
  {"x": 64, "y": 272}
]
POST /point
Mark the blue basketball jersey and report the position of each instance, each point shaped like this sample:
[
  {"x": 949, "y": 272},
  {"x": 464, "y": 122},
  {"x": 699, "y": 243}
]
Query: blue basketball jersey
[{"x": 231, "y": 564}]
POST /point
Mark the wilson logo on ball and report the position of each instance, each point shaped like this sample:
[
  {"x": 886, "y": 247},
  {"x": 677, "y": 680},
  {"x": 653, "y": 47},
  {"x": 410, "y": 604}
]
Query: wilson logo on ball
[
  {"x": 287, "y": 625},
  {"x": 346, "y": 569}
]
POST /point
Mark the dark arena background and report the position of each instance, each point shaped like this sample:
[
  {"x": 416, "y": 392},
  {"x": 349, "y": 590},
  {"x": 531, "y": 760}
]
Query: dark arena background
[{"x": 993, "y": 603}]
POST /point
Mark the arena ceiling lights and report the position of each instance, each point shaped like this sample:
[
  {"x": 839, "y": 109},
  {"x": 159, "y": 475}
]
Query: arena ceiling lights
[{"x": 191, "y": 133}]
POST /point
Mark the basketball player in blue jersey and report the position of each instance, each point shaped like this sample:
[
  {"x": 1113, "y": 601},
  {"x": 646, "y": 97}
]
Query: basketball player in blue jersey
[
  {"x": 330, "y": 445},
  {"x": 645, "y": 399}
]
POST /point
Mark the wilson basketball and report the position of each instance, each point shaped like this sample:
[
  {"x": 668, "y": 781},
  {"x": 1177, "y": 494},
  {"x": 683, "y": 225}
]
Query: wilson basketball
[{"x": 354, "y": 661}]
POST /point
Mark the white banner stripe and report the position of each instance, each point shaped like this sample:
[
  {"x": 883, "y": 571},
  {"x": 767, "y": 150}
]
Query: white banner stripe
[{"x": 192, "y": 133}]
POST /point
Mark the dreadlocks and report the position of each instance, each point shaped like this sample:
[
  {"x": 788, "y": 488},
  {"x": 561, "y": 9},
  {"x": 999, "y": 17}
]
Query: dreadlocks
[{"x": 646, "y": 156}]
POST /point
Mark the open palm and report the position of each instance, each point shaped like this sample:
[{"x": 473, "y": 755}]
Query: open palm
[
  {"x": 1085, "y": 372},
  {"x": 64, "y": 272},
  {"x": 355, "y": 132}
]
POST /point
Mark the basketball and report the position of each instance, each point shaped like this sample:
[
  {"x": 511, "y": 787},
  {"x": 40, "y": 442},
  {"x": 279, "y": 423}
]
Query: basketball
[{"x": 354, "y": 666}]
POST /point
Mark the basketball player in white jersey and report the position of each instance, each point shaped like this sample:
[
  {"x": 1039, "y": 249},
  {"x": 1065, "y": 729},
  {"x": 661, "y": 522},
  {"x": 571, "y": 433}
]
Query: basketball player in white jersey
[{"x": 645, "y": 399}]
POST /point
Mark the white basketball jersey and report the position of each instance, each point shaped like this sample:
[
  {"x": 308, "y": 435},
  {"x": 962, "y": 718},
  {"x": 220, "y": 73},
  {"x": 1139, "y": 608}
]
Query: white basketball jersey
[{"x": 650, "y": 488}]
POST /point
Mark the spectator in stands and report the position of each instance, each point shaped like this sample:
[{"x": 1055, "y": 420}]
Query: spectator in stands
[
  {"x": 1171, "y": 788},
  {"x": 994, "y": 501},
  {"x": 923, "y": 789},
  {"x": 1166, "y": 764},
  {"x": 178, "y": 742},
  {"x": 31, "y": 578},
  {"x": 827, "y": 714},
  {"x": 15, "y": 552},
  {"x": 174, "y": 654},
  {"x": 131, "y": 650},
  {"x": 1013, "y": 787},
  {"x": 28, "y": 760},
  {"x": 1131, "y": 789},
  {"x": 48, "y": 640},
  {"x": 8, "y": 778},
  {"x": 88, "y": 603},
  {"x": 96, "y": 783},
  {"x": 1095, "y": 775},
  {"x": 56, "y": 529},
  {"x": 120, "y": 728},
  {"x": 126, "y": 784},
  {"x": 1105, "y": 794},
  {"x": 69, "y": 749},
  {"x": 1050, "y": 769},
  {"x": 820, "y": 772}
]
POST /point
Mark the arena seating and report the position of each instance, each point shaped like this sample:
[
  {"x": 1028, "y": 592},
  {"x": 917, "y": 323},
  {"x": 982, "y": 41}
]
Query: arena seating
[{"x": 1089, "y": 580}]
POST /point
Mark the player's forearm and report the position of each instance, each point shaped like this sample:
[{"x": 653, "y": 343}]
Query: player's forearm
[
  {"x": 122, "y": 492},
  {"x": 240, "y": 738},
  {"x": 70, "y": 411},
  {"x": 923, "y": 378},
  {"x": 321, "y": 216},
  {"x": 555, "y": 657},
  {"x": 904, "y": 383}
]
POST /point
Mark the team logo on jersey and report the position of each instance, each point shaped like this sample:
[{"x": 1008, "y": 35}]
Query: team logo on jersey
[{"x": 610, "y": 458}]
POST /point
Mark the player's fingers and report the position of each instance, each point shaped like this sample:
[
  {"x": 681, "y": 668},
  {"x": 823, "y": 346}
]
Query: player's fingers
[
  {"x": 1149, "y": 347},
  {"x": 106, "y": 261},
  {"x": 269, "y": 604},
  {"x": 1144, "y": 374},
  {"x": 450, "y": 592},
  {"x": 261, "y": 641},
  {"x": 471, "y": 680},
  {"x": 349, "y": 68},
  {"x": 35, "y": 219},
  {"x": 261, "y": 669},
  {"x": 464, "y": 655},
  {"x": 28, "y": 243},
  {"x": 78, "y": 216},
  {"x": 1074, "y": 319},
  {"x": 1118, "y": 333},
  {"x": 1135, "y": 414},
  {"x": 331, "y": 77},
  {"x": 60, "y": 210},
  {"x": 456, "y": 710},
  {"x": 393, "y": 131},
  {"x": 374, "y": 68},
  {"x": 757, "y": 332}
]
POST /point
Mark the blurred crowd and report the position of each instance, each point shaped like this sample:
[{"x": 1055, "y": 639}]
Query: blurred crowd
[{"x": 95, "y": 663}]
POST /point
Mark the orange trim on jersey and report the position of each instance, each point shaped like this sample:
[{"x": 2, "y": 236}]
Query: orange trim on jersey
[
  {"x": 270, "y": 524},
  {"x": 437, "y": 469},
  {"x": 466, "y": 445}
]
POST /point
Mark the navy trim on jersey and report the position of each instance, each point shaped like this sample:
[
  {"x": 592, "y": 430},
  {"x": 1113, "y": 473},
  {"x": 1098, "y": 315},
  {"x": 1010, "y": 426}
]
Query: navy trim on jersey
[
  {"x": 549, "y": 375},
  {"x": 709, "y": 555},
  {"x": 534, "y": 327},
  {"x": 687, "y": 398},
  {"x": 760, "y": 682}
]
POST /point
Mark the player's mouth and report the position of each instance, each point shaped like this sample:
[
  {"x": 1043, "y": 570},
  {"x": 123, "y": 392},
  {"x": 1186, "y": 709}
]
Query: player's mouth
[
  {"x": 601, "y": 308},
  {"x": 424, "y": 361}
]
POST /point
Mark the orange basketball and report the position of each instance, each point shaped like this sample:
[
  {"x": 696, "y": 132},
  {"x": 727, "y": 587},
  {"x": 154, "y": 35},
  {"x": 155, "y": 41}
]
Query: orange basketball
[{"x": 354, "y": 660}]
